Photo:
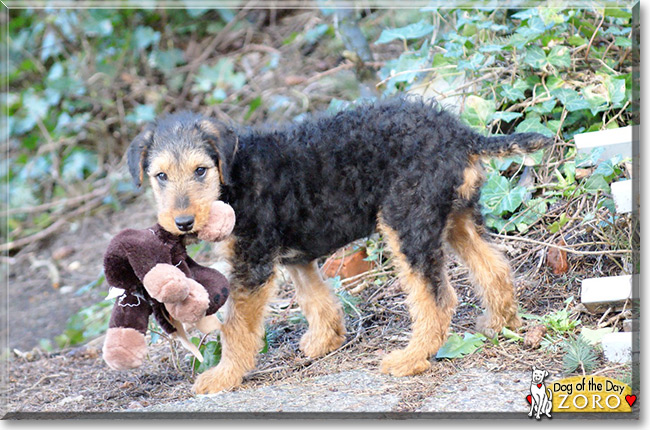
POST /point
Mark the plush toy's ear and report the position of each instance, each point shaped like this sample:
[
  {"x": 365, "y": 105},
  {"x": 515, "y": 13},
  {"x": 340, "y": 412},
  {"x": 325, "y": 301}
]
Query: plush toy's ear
[
  {"x": 223, "y": 141},
  {"x": 136, "y": 155},
  {"x": 545, "y": 374}
]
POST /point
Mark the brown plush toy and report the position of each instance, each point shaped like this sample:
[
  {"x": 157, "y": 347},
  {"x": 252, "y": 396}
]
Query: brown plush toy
[{"x": 157, "y": 276}]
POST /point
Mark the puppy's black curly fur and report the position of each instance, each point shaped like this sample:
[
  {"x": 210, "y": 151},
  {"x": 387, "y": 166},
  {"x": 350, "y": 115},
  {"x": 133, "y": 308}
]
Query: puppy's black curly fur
[{"x": 304, "y": 190}]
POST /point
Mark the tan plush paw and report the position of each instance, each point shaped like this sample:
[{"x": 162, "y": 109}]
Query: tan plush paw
[
  {"x": 124, "y": 348},
  {"x": 193, "y": 308},
  {"x": 221, "y": 221},
  {"x": 166, "y": 283}
]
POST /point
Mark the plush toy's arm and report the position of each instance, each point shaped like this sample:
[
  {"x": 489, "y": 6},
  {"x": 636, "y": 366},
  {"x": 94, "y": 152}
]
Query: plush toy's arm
[
  {"x": 214, "y": 282},
  {"x": 142, "y": 253}
]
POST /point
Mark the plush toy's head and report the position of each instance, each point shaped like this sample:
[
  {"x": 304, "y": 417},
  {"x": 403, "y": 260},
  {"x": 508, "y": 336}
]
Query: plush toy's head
[{"x": 220, "y": 222}]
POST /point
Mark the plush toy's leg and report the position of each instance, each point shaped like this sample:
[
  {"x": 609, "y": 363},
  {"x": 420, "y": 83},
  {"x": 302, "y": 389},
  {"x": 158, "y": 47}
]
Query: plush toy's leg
[
  {"x": 193, "y": 308},
  {"x": 124, "y": 345}
]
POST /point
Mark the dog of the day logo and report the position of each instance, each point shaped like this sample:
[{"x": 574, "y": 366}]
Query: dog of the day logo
[{"x": 588, "y": 393}]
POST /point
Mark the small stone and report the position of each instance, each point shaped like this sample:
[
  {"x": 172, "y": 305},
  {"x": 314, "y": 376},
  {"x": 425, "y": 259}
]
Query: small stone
[{"x": 62, "y": 252}]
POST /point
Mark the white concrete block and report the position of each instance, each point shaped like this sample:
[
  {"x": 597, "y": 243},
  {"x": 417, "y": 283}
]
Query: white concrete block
[
  {"x": 604, "y": 292},
  {"x": 617, "y": 141},
  {"x": 618, "y": 347},
  {"x": 622, "y": 192}
]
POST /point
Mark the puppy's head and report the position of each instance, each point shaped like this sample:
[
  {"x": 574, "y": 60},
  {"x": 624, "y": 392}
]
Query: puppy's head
[{"x": 187, "y": 158}]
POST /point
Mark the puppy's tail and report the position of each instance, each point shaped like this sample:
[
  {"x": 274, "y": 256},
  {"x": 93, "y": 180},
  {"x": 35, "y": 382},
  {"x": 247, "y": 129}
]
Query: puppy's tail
[
  {"x": 518, "y": 143},
  {"x": 549, "y": 393}
]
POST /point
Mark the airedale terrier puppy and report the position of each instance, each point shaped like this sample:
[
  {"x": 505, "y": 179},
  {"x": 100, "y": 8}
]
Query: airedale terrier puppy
[{"x": 401, "y": 166}]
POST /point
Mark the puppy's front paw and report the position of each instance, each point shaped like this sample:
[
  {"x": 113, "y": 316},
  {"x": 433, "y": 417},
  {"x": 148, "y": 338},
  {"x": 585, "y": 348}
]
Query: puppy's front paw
[
  {"x": 217, "y": 379},
  {"x": 402, "y": 363}
]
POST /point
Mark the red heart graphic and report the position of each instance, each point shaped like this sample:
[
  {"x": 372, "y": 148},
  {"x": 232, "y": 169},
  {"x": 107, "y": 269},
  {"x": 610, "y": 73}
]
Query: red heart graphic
[
  {"x": 539, "y": 385},
  {"x": 529, "y": 398},
  {"x": 630, "y": 399}
]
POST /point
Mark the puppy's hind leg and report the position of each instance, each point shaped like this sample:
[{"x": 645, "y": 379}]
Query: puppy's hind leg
[
  {"x": 321, "y": 308},
  {"x": 431, "y": 301},
  {"x": 491, "y": 272}
]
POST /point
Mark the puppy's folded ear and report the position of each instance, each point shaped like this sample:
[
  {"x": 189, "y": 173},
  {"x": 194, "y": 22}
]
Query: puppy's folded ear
[
  {"x": 136, "y": 155},
  {"x": 223, "y": 141}
]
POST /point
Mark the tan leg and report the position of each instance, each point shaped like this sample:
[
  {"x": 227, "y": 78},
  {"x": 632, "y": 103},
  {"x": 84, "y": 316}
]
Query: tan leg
[
  {"x": 241, "y": 338},
  {"x": 430, "y": 312},
  {"x": 491, "y": 271},
  {"x": 321, "y": 308}
]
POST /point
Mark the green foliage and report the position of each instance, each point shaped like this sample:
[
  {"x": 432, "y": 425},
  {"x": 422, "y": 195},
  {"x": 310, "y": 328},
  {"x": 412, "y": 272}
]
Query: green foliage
[
  {"x": 457, "y": 346},
  {"x": 89, "y": 322},
  {"x": 578, "y": 355},
  {"x": 211, "y": 353},
  {"x": 559, "y": 322},
  {"x": 544, "y": 85}
]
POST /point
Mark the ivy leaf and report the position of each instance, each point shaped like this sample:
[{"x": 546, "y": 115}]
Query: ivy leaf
[
  {"x": 570, "y": 99},
  {"x": 412, "y": 31},
  {"x": 535, "y": 209},
  {"x": 597, "y": 102},
  {"x": 506, "y": 116},
  {"x": 615, "y": 90},
  {"x": 491, "y": 47},
  {"x": 535, "y": 126},
  {"x": 576, "y": 40},
  {"x": 511, "y": 93},
  {"x": 221, "y": 76},
  {"x": 78, "y": 164},
  {"x": 559, "y": 57},
  {"x": 166, "y": 60},
  {"x": 36, "y": 106},
  {"x": 535, "y": 57},
  {"x": 543, "y": 108},
  {"x": 141, "y": 114},
  {"x": 498, "y": 224},
  {"x": 595, "y": 183},
  {"x": 478, "y": 111},
  {"x": 498, "y": 197},
  {"x": 457, "y": 346},
  {"x": 623, "y": 42},
  {"x": 145, "y": 37}
]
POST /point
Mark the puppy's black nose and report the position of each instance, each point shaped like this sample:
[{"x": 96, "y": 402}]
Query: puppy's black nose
[{"x": 184, "y": 222}]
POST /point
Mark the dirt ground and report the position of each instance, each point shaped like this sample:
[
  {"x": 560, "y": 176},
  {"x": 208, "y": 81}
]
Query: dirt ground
[{"x": 75, "y": 379}]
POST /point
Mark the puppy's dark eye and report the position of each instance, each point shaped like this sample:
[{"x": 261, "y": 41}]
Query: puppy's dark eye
[
  {"x": 162, "y": 176},
  {"x": 200, "y": 171}
]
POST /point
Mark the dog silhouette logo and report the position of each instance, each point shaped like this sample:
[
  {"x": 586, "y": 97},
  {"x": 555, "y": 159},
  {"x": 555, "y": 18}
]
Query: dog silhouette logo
[{"x": 540, "y": 397}]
